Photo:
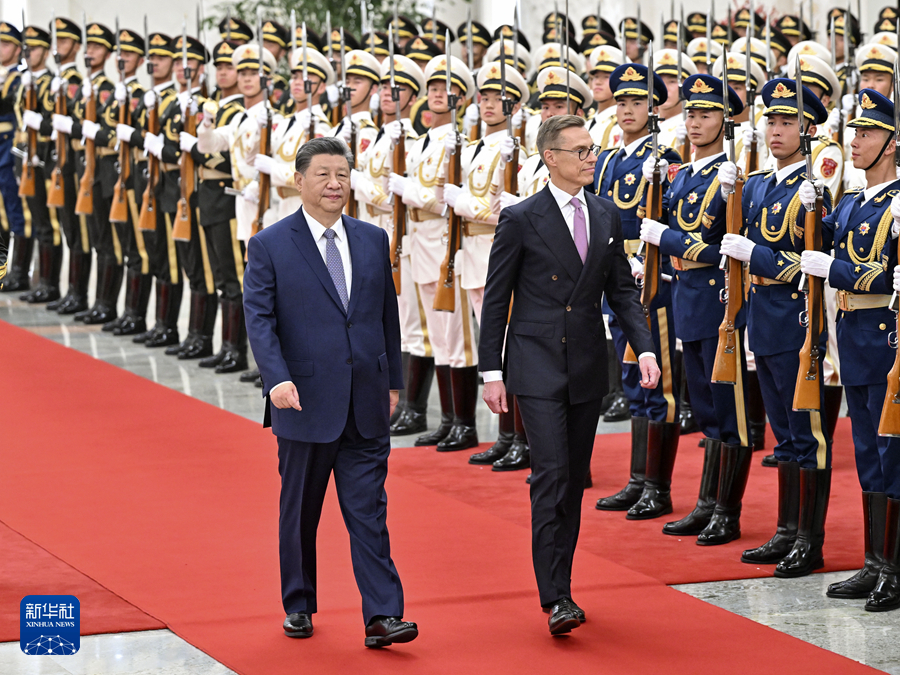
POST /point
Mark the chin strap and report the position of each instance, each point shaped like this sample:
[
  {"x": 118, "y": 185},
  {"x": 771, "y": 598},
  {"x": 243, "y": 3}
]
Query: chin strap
[
  {"x": 880, "y": 155},
  {"x": 716, "y": 139}
]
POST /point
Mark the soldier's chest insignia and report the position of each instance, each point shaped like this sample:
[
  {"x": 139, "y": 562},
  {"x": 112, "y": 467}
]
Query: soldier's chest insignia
[
  {"x": 673, "y": 171},
  {"x": 378, "y": 154},
  {"x": 428, "y": 161},
  {"x": 776, "y": 208},
  {"x": 864, "y": 229},
  {"x": 480, "y": 168},
  {"x": 692, "y": 198},
  {"x": 363, "y": 144},
  {"x": 828, "y": 167},
  {"x": 629, "y": 179},
  {"x": 104, "y": 97},
  {"x": 73, "y": 89}
]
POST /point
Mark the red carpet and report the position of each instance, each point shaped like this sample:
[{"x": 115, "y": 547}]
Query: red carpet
[{"x": 172, "y": 504}]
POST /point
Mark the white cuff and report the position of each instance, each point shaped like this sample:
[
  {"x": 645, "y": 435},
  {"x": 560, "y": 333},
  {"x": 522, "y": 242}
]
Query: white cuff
[
  {"x": 492, "y": 376},
  {"x": 650, "y": 354},
  {"x": 278, "y": 385}
]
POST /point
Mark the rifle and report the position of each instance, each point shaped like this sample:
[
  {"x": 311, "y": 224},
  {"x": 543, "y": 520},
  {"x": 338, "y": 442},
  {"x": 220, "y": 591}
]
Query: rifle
[
  {"x": 201, "y": 35},
  {"x": 26, "y": 186},
  {"x": 56, "y": 197},
  {"x": 752, "y": 151},
  {"x": 265, "y": 134},
  {"x": 147, "y": 218},
  {"x": 398, "y": 167},
  {"x": 445, "y": 297},
  {"x": 725, "y": 366},
  {"x": 511, "y": 173},
  {"x": 807, "y": 394},
  {"x": 679, "y": 46},
  {"x": 851, "y": 81},
  {"x": 889, "y": 425},
  {"x": 181, "y": 229},
  {"x": 475, "y": 131},
  {"x": 650, "y": 286},
  {"x": 838, "y": 135},
  {"x": 118, "y": 212},
  {"x": 307, "y": 87},
  {"x": 346, "y": 93},
  {"x": 84, "y": 205}
]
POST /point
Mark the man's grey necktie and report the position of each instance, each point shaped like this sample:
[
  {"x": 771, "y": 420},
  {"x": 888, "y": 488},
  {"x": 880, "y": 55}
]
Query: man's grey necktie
[{"x": 336, "y": 267}]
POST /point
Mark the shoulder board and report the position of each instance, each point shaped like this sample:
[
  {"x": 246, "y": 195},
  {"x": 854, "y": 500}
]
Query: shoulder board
[
  {"x": 368, "y": 123},
  {"x": 762, "y": 172},
  {"x": 167, "y": 95},
  {"x": 856, "y": 191},
  {"x": 533, "y": 111},
  {"x": 827, "y": 140}
]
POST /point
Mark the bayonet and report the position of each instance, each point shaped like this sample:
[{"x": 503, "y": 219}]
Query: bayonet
[
  {"x": 640, "y": 33},
  {"x": 184, "y": 56},
  {"x": 832, "y": 41},
  {"x": 120, "y": 62},
  {"x": 328, "y": 33},
  {"x": 516, "y": 35},
  {"x": 147, "y": 51},
  {"x": 769, "y": 44},
  {"x": 87, "y": 59},
  {"x": 709, "y": 25},
  {"x": 568, "y": 70},
  {"x": 805, "y": 140},
  {"x": 53, "y": 46},
  {"x": 228, "y": 25},
  {"x": 729, "y": 118},
  {"x": 259, "y": 45},
  {"x": 395, "y": 90},
  {"x": 653, "y": 121},
  {"x": 469, "y": 55},
  {"x": 679, "y": 47},
  {"x": 293, "y": 37},
  {"x": 307, "y": 85}
]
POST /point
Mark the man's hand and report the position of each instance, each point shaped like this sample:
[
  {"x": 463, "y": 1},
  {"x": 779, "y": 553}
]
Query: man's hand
[
  {"x": 494, "y": 394},
  {"x": 395, "y": 399},
  {"x": 285, "y": 396},
  {"x": 649, "y": 372}
]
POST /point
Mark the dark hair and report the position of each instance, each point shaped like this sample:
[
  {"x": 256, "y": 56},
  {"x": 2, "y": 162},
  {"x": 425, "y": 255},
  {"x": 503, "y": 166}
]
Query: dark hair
[
  {"x": 321, "y": 146},
  {"x": 549, "y": 131}
]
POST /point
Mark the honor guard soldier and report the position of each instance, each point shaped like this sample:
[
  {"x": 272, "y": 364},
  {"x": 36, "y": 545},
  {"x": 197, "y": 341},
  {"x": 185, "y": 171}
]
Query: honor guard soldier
[
  {"x": 275, "y": 39},
  {"x": 672, "y": 131},
  {"x": 845, "y": 27},
  {"x": 480, "y": 40},
  {"x": 865, "y": 253},
  {"x": 12, "y": 216},
  {"x": 45, "y": 227},
  {"x": 437, "y": 31},
  {"x": 315, "y": 44},
  {"x": 289, "y": 133},
  {"x": 421, "y": 51},
  {"x": 655, "y": 413},
  {"x": 472, "y": 202},
  {"x": 332, "y": 102},
  {"x": 233, "y": 29},
  {"x": 376, "y": 44},
  {"x": 670, "y": 34},
  {"x": 100, "y": 42},
  {"x": 550, "y": 55},
  {"x": 635, "y": 41},
  {"x": 160, "y": 57},
  {"x": 793, "y": 28},
  {"x": 124, "y": 213},
  {"x": 362, "y": 79},
  {"x": 451, "y": 334},
  {"x": 774, "y": 239},
  {"x": 693, "y": 203},
  {"x": 696, "y": 24},
  {"x": 699, "y": 48},
  {"x": 405, "y": 29},
  {"x": 602, "y": 127},
  {"x": 741, "y": 23},
  {"x": 217, "y": 217},
  {"x": 370, "y": 185}
]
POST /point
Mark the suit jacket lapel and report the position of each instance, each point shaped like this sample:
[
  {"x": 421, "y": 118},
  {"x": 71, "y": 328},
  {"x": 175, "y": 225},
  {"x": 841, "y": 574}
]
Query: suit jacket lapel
[
  {"x": 552, "y": 228},
  {"x": 354, "y": 241},
  {"x": 599, "y": 228},
  {"x": 303, "y": 240}
]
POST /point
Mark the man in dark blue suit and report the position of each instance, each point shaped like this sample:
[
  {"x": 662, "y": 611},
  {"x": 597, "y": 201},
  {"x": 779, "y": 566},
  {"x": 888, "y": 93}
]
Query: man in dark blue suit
[{"x": 322, "y": 320}]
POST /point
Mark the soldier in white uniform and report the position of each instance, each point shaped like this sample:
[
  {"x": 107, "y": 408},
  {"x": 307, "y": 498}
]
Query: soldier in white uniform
[
  {"x": 551, "y": 56},
  {"x": 603, "y": 127},
  {"x": 672, "y": 131},
  {"x": 451, "y": 334},
  {"x": 697, "y": 50},
  {"x": 472, "y": 202},
  {"x": 370, "y": 185},
  {"x": 737, "y": 80},
  {"x": 363, "y": 79}
]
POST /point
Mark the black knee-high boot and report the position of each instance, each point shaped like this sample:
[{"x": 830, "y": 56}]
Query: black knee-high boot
[
  {"x": 445, "y": 391},
  {"x": 628, "y": 496},
  {"x": 696, "y": 521}
]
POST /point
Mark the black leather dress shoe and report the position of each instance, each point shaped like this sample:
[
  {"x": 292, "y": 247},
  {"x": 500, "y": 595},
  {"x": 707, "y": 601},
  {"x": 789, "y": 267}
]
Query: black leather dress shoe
[
  {"x": 518, "y": 457},
  {"x": 769, "y": 460},
  {"x": 619, "y": 410},
  {"x": 578, "y": 611},
  {"x": 563, "y": 618},
  {"x": 298, "y": 626},
  {"x": 384, "y": 631}
]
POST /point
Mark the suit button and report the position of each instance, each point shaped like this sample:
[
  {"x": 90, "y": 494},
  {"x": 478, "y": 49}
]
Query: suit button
[
  {"x": 568, "y": 308},
  {"x": 349, "y": 325},
  {"x": 349, "y": 362},
  {"x": 564, "y": 339},
  {"x": 881, "y": 326},
  {"x": 554, "y": 277},
  {"x": 596, "y": 305}
]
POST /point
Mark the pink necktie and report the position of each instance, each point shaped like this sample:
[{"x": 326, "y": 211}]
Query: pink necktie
[{"x": 581, "y": 242}]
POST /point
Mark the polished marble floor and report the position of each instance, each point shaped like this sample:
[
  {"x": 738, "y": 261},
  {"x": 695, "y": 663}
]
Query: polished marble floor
[{"x": 797, "y": 607}]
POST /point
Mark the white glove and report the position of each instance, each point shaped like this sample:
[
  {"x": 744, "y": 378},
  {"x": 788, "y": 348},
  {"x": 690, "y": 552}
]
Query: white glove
[
  {"x": 150, "y": 99},
  {"x": 727, "y": 177},
  {"x": 55, "y": 85},
  {"x": 302, "y": 119},
  {"x": 262, "y": 116},
  {"x": 124, "y": 132},
  {"x": 374, "y": 103},
  {"x": 251, "y": 193},
  {"x": 508, "y": 199},
  {"x": 62, "y": 123},
  {"x": 87, "y": 89},
  {"x": 651, "y": 231},
  {"x": 833, "y": 121},
  {"x": 334, "y": 95},
  {"x": 32, "y": 119},
  {"x": 449, "y": 145},
  {"x": 681, "y": 132},
  {"x": 451, "y": 194},
  {"x": 648, "y": 166},
  {"x": 346, "y": 130},
  {"x": 397, "y": 184},
  {"x": 187, "y": 141},
  {"x": 264, "y": 164},
  {"x": 89, "y": 129},
  {"x": 184, "y": 106},
  {"x": 472, "y": 115},
  {"x": 637, "y": 267},
  {"x": 809, "y": 192},
  {"x": 895, "y": 212},
  {"x": 25, "y": 78},
  {"x": 507, "y": 146},
  {"x": 848, "y": 103},
  {"x": 394, "y": 130},
  {"x": 815, "y": 263},
  {"x": 153, "y": 144},
  {"x": 897, "y": 278},
  {"x": 354, "y": 177},
  {"x": 518, "y": 118},
  {"x": 737, "y": 247},
  {"x": 121, "y": 93},
  {"x": 749, "y": 135}
]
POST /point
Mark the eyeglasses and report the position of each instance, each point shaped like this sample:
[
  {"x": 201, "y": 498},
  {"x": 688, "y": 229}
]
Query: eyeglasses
[{"x": 582, "y": 152}]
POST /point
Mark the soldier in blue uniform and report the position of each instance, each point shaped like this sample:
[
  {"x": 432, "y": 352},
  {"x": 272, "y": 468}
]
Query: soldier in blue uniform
[
  {"x": 772, "y": 245},
  {"x": 655, "y": 424},
  {"x": 693, "y": 207},
  {"x": 12, "y": 216},
  {"x": 859, "y": 231}
]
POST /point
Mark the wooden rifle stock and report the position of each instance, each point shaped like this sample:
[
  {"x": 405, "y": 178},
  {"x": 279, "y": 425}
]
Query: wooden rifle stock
[
  {"x": 752, "y": 159},
  {"x": 182, "y": 228},
  {"x": 725, "y": 367},
  {"x": 686, "y": 152},
  {"x": 147, "y": 220},
  {"x": 399, "y": 167},
  {"x": 352, "y": 204},
  {"x": 118, "y": 212},
  {"x": 511, "y": 174},
  {"x": 265, "y": 147},
  {"x": 56, "y": 197},
  {"x": 84, "y": 205},
  {"x": 889, "y": 425},
  {"x": 809, "y": 375},
  {"x": 26, "y": 186},
  {"x": 445, "y": 297}
]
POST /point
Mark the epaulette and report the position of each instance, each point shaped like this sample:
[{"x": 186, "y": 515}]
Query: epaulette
[
  {"x": 827, "y": 140},
  {"x": 368, "y": 123},
  {"x": 765, "y": 172}
]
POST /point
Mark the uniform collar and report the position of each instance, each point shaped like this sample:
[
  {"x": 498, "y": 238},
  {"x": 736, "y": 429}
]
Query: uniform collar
[
  {"x": 781, "y": 174},
  {"x": 870, "y": 192},
  {"x": 698, "y": 165},
  {"x": 632, "y": 147}
]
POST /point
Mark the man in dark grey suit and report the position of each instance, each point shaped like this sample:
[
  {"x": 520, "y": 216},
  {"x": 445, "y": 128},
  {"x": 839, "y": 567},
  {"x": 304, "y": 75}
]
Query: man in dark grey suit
[{"x": 558, "y": 253}]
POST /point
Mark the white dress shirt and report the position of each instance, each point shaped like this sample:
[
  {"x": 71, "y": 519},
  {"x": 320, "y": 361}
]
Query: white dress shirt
[
  {"x": 699, "y": 164},
  {"x": 781, "y": 174},
  {"x": 870, "y": 192},
  {"x": 318, "y": 233}
]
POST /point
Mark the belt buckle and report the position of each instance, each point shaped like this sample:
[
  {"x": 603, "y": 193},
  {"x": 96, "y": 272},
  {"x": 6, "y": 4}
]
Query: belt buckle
[{"x": 844, "y": 301}]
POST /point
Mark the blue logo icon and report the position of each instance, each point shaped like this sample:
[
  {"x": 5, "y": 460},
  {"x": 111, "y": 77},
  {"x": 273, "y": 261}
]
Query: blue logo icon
[{"x": 49, "y": 625}]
